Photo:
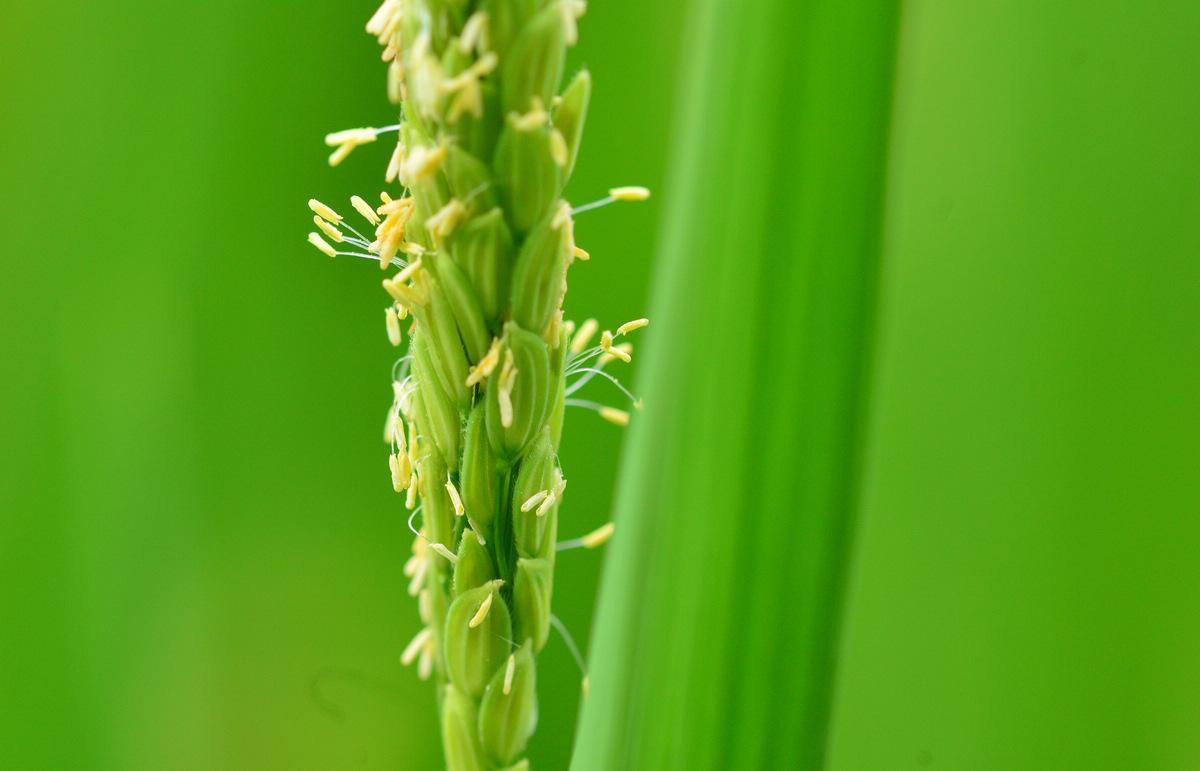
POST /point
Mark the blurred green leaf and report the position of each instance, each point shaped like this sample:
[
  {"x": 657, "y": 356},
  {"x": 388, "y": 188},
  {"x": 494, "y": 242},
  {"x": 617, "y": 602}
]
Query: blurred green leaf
[{"x": 715, "y": 635}]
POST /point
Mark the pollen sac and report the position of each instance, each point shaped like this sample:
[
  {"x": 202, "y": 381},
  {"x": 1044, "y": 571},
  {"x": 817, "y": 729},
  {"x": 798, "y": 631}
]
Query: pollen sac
[
  {"x": 532, "y": 531},
  {"x": 464, "y": 305},
  {"x": 435, "y": 410},
  {"x": 479, "y": 472},
  {"x": 526, "y": 173},
  {"x": 483, "y": 249},
  {"x": 474, "y": 653},
  {"x": 537, "y": 282},
  {"x": 459, "y": 718},
  {"x": 527, "y": 393},
  {"x": 531, "y": 600},
  {"x": 437, "y": 510},
  {"x": 508, "y": 713},
  {"x": 571, "y": 114},
  {"x": 474, "y": 566},
  {"x": 534, "y": 66},
  {"x": 470, "y": 179}
]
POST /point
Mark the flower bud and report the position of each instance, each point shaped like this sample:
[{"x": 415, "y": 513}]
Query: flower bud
[
  {"x": 529, "y": 395},
  {"x": 436, "y": 508},
  {"x": 528, "y": 178},
  {"x": 483, "y": 249},
  {"x": 508, "y": 712},
  {"x": 464, "y": 306},
  {"x": 538, "y": 474},
  {"x": 479, "y": 472},
  {"x": 459, "y": 738},
  {"x": 531, "y": 600},
  {"x": 534, "y": 66},
  {"x": 473, "y": 653},
  {"x": 435, "y": 410},
  {"x": 537, "y": 282},
  {"x": 445, "y": 348},
  {"x": 474, "y": 566},
  {"x": 571, "y": 114}
]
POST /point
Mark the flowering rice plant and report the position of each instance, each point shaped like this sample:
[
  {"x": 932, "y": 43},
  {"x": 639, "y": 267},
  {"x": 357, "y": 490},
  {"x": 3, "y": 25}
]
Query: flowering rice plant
[{"x": 483, "y": 242}]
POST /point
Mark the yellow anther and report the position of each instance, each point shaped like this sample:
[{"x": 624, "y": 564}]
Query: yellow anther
[
  {"x": 357, "y": 136},
  {"x": 446, "y": 219},
  {"x": 364, "y": 208},
  {"x": 393, "y": 325},
  {"x": 455, "y": 498},
  {"x": 581, "y": 254},
  {"x": 481, "y": 614},
  {"x": 422, "y": 162},
  {"x": 534, "y": 119},
  {"x": 632, "y": 193},
  {"x": 509, "y": 671},
  {"x": 599, "y": 536},
  {"x": 584, "y": 335},
  {"x": 413, "y": 648},
  {"x": 339, "y": 155},
  {"x": 328, "y": 229},
  {"x": 616, "y": 352},
  {"x": 474, "y": 33},
  {"x": 442, "y": 550},
  {"x": 486, "y": 365},
  {"x": 394, "y": 163},
  {"x": 324, "y": 211},
  {"x": 615, "y": 416},
  {"x": 629, "y": 326},
  {"x": 558, "y": 149},
  {"x": 534, "y": 500},
  {"x": 316, "y": 240}
]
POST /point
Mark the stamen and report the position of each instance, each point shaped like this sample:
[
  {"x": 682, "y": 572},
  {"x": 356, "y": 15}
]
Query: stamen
[
  {"x": 358, "y": 136},
  {"x": 364, "y": 208},
  {"x": 446, "y": 219},
  {"x": 534, "y": 500},
  {"x": 324, "y": 211},
  {"x": 632, "y": 193},
  {"x": 629, "y": 326},
  {"x": 599, "y": 536},
  {"x": 393, "y": 327},
  {"x": 316, "y": 240},
  {"x": 414, "y": 647},
  {"x": 422, "y": 162},
  {"x": 534, "y": 119},
  {"x": 486, "y": 365},
  {"x": 410, "y": 500},
  {"x": 558, "y": 149},
  {"x": 509, "y": 671},
  {"x": 454, "y": 497},
  {"x": 581, "y": 254},
  {"x": 414, "y": 586},
  {"x": 442, "y": 550},
  {"x": 481, "y": 614},
  {"x": 328, "y": 229},
  {"x": 615, "y": 416},
  {"x": 474, "y": 33},
  {"x": 584, "y": 335},
  {"x": 425, "y": 665}
]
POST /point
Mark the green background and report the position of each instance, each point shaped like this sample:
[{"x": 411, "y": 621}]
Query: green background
[{"x": 200, "y": 555}]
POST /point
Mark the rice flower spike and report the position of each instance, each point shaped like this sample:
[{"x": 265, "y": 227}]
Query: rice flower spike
[{"x": 474, "y": 225}]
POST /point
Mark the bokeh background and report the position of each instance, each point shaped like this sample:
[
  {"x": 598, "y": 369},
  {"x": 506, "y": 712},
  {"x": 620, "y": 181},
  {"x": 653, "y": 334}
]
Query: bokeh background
[{"x": 200, "y": 555}]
